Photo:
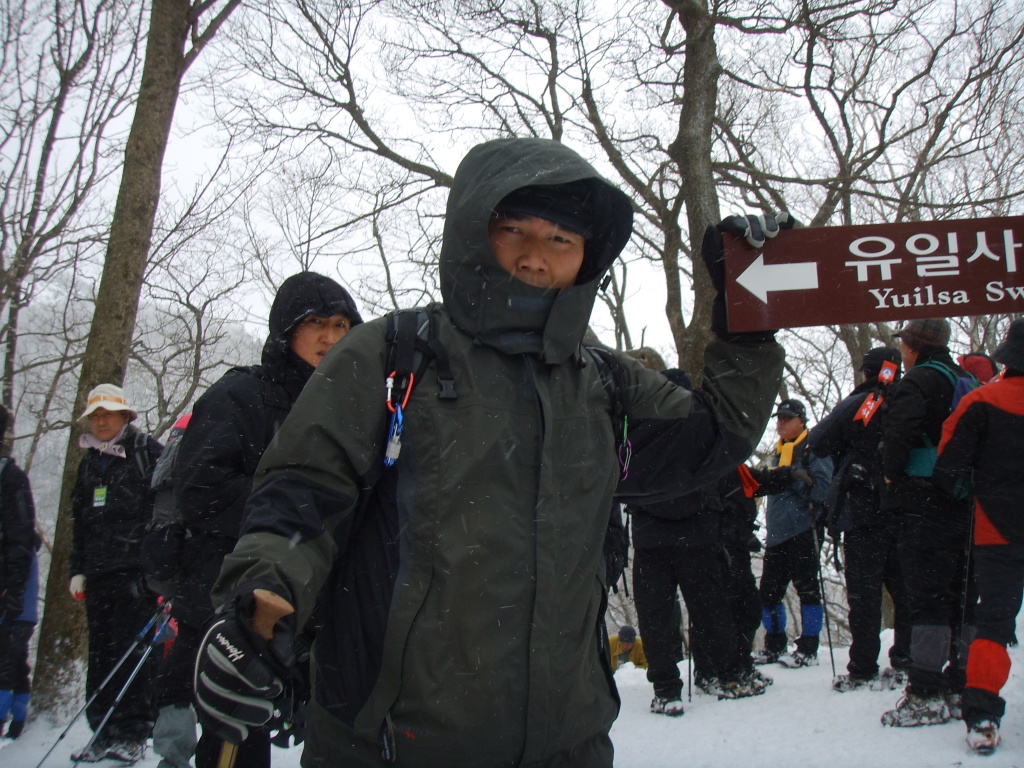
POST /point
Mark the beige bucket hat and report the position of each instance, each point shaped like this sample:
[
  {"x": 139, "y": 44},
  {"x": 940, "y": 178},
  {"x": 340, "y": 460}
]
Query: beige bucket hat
[{"x": 110, "y": 397}]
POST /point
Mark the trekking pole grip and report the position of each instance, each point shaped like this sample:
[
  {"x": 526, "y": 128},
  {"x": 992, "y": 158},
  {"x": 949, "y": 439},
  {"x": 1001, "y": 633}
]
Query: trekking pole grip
[{"x": 268, "y": 609}]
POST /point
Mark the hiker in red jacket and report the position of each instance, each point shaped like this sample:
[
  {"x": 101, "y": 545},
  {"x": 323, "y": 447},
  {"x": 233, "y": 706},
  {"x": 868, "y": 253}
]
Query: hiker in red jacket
[{"x": 983, "y": 446}]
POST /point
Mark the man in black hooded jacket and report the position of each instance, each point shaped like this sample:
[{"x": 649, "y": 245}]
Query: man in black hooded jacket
[
  {"x": 852, "y": 435},
  {"x": 231, "y": 426}
]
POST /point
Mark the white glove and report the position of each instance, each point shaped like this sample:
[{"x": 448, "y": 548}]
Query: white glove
[{"x": 77, "y": 587}]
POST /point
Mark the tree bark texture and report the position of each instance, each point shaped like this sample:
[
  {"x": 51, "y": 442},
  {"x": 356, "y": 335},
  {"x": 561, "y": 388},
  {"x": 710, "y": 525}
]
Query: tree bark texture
[{"x": 691, "y": 151}]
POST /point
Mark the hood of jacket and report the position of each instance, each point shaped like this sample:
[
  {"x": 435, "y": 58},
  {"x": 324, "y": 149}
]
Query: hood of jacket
[
  {"x": 301, "y": 295},
  {"x": 485, "y": 301}
]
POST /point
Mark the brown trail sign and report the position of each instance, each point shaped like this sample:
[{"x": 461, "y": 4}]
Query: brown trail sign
[{"x": 876, "y": 272}]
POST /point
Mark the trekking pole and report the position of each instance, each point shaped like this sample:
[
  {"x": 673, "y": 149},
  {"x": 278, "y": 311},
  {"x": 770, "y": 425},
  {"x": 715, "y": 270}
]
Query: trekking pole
[
  {"x": 967, "y": 575},
  {"x": 165, "y": 608},
  {"x": 228, "y": 755},
  {"x": 689, "y": 656},
  {"x": 821, "y": 588},
  {"x": 124, "y": 688}
]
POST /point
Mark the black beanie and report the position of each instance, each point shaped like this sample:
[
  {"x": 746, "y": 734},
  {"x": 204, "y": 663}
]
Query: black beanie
[{"x": 567, "y": 205}]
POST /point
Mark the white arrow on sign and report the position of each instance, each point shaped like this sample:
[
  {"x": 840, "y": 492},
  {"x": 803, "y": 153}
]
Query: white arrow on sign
[{"x": 761, "y": 279}]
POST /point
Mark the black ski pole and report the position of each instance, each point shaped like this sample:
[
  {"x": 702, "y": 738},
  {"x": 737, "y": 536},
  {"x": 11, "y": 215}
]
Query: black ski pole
[
  {"x": 821, "y": 588},
  {"x": 965, "y": 585},
  {"x": 689, "y": 655},
  {"x": 164, "y": 609}
]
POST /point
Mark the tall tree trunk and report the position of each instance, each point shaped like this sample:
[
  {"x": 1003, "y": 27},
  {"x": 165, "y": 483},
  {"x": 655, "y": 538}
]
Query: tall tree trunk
[
  {"x": 691, "y": 150},
  {"x": 62, "y": 635}
]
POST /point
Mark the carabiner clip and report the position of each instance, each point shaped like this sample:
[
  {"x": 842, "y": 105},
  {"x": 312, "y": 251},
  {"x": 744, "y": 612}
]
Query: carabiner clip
[
  {"x": 389, "y": 384},
  {"x": 625, "y": 451}
]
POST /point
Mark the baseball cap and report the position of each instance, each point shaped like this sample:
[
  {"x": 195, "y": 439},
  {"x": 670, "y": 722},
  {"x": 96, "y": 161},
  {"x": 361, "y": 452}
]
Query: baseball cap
[
  {"x": 874, "y": 358},
  {"x": 627, "y": 634},
  {"x": 790, "y": 408}
]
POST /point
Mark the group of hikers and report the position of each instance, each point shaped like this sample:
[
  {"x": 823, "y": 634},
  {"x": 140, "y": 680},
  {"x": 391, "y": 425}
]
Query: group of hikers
[
  {"x": 915, "y": 476},
  {"x": 393, "y": 548}
]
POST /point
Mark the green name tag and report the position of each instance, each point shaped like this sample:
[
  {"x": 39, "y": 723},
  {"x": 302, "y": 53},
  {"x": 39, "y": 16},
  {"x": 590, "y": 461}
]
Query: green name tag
[{"x": 99, "y": 496}]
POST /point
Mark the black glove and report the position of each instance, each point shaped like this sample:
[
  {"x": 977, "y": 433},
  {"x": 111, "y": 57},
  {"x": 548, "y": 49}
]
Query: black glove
[
  {"x": 755, "y": 230},
  {"x": 803, "y": 476},
  {"x": 239, "y": 673}
]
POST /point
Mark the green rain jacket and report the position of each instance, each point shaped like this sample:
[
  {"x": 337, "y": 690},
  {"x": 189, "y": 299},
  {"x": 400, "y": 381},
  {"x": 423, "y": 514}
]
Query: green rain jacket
[{"x": 460, "y": 607}]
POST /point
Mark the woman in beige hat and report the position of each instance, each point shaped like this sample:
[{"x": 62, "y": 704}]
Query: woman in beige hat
[{"x": 111, "y": 504}]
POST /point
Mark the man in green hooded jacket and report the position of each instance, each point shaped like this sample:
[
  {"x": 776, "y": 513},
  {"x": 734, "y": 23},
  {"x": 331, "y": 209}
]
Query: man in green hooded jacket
[{"x": 459, "y": 595}]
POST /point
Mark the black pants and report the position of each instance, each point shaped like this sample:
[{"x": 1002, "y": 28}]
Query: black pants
[
  {"x": 872, "y": 560},
  {"x": 1000, "y": 572},
  {"x": 796, "y": 561},
  {"x": 744, "y": 601},
  {"x": 940, "y": 586},
  {"x": 699, "y": 573},
  {"x": 117, "y": 609},
  {"x": 14, "y": 669}
]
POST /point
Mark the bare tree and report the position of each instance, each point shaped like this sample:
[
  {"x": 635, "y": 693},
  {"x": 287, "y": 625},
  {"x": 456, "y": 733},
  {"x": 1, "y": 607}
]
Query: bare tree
[
  {"x": 68, "y": 71},
  {"x": 177, "y": 34}
]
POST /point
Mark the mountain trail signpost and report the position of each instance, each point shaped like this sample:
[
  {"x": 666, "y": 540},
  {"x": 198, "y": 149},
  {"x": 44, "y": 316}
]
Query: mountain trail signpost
[{"x": 876, "y": 272}]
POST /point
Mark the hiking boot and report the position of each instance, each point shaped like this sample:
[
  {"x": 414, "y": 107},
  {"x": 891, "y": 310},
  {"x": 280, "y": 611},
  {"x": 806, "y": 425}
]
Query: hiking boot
[
  {"x": 712, "y": 686},
  {"x": 765, "y": 656},
  {"x": 757, "y": 677},
  {"x": 15, "y": 729},
  {"x": 954, "y": 704},
  {"x": 92, "y": 753},
  {"x": 889, "y": 680},
  {"x": 798, "y": 659},
  {"x": 127, "y": 751},
  {"x": 914, "y": 709},
  {"x": 983, "y": 736},
  {"x": 670, "y": 707},
  {"x": 845, "y": 683},
  {"x": 741, "y": 688}
]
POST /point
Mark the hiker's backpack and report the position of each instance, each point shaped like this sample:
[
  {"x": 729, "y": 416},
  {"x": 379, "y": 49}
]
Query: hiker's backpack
[
  {"x": 921, "y": 462},
  {"x": 164, "y": 541}
]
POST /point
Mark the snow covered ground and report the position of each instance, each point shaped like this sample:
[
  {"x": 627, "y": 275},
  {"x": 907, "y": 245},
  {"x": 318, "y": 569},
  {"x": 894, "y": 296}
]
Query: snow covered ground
[{"x": 800, "y": 721}]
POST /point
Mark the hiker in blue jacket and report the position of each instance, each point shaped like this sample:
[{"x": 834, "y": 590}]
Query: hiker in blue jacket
[{"x": 796, "y": 485}]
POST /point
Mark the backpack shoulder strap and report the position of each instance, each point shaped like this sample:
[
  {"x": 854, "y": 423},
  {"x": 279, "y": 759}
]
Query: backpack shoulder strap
[
  {"x": 936, "y": 365},
  {"x": 612, "y": 376},
  {"x": 142, "y": 459},
  {"x": 412, "y": 344}
]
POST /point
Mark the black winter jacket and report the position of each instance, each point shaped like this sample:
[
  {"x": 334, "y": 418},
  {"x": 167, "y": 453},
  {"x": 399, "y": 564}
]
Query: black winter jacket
[
  {"x": 18, "y": 538},
  {"x": 855, "y": 496},
  {"x": 919, "y": 403},
  {"x": 232, "y": 425},
  {"x": 689, "y": 521},
  {"x": 109, "y": 526}
]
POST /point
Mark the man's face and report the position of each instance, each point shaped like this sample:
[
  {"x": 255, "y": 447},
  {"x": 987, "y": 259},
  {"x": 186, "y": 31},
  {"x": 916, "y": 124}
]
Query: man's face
[
  {"x": 789, "y": 427},
  {"x": 315, "y": 335},
  {"x": 105, "y": 424},
  {"x": 625, "y": 647},
  {"x": 535, "y": 250}
]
